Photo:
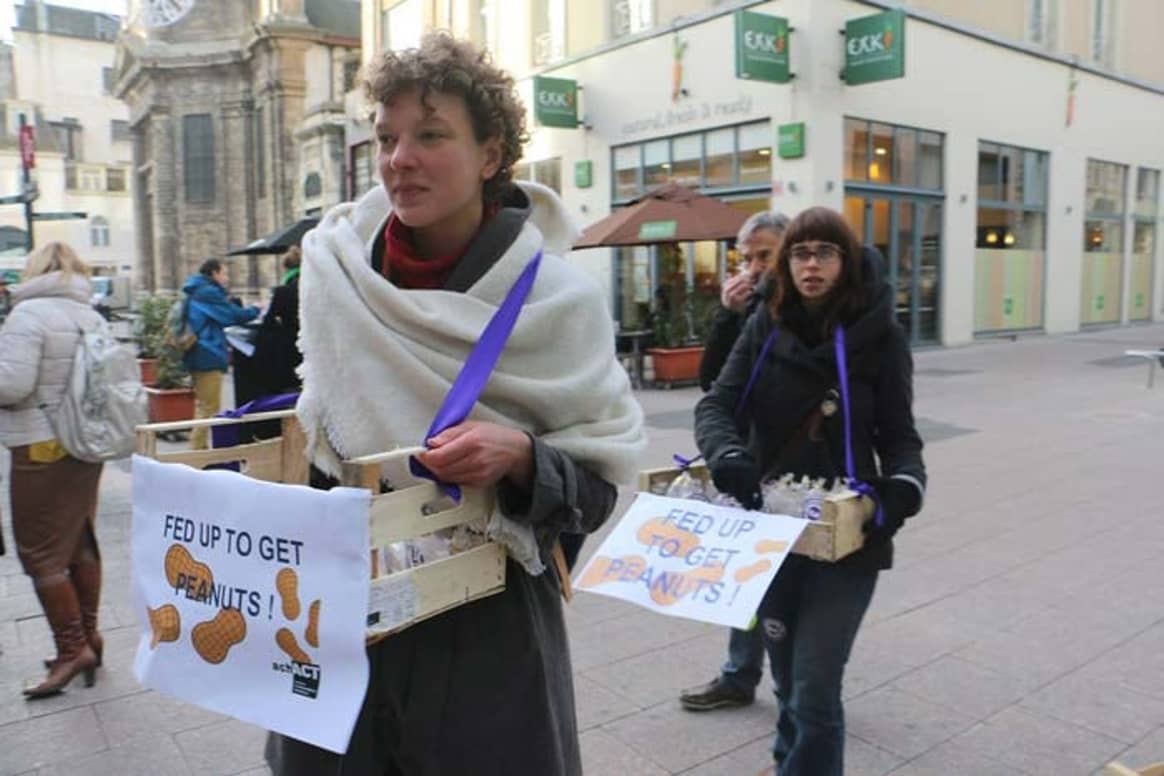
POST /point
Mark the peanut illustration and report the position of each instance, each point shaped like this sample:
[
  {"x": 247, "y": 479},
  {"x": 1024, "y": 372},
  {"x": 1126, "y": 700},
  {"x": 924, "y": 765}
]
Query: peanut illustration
[
  {"x": 771, "y": 545},
  {"x": 214, "y": 638},
  {"x": 165, "y": 623},
  {"x": 287, "y": 642},
  {"x": 747, "y": 572},
  {"x": 312, "y": 634},
  {"x": 666, "y": 538},
  {"x": 183, "y": 571},
  {"x": 287, "y": 583}
]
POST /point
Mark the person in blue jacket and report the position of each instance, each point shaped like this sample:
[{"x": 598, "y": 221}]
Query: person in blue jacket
[{"x": 208, "y": 311}]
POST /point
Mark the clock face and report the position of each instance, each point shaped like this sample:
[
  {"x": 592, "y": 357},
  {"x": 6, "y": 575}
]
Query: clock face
[{"x": 160, "y": 13}]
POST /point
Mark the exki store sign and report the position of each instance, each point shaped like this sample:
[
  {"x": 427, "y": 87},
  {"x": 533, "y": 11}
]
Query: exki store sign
[
  {"x": 875, "y": 48},
  {"x": 555, "y": 102},
  {"x": 762, "y": 47}
]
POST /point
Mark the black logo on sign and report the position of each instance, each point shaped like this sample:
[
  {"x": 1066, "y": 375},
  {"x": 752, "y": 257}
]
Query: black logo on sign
[{"x": 305, "y": 679}]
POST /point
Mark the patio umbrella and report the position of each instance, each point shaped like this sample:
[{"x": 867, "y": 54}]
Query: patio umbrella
[
  {"x": 670, "y": 213},
  {"x": 278, "y": 241}
]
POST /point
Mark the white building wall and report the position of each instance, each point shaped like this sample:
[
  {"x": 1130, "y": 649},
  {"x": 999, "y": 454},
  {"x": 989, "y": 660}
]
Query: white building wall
[
  {"x": 966, "y": 88},
  {"x": 64, "y": 76}
]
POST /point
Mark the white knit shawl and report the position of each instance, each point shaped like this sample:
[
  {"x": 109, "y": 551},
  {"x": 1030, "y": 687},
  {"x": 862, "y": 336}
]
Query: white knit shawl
[{"x": 379, "y": 360}]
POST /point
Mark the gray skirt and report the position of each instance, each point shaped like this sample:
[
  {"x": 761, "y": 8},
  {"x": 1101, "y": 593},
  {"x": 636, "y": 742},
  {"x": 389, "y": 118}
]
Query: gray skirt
[{"x": 484, "y": 689}]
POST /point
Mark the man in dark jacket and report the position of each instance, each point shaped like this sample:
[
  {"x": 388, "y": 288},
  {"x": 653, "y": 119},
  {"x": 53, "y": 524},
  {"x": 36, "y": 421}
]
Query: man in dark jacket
[
  {"x": 208, "y": 312},
  {"x": 758, "y": 240},
  {"x": 757, "y": 243}
]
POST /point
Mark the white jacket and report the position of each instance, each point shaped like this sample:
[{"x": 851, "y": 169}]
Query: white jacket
[{"x": 37, "y": 343}]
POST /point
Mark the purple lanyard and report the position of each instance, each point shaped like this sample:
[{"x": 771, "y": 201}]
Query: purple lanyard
[
  {"x": 850, "y": 469},
  {"x": 478, "y": 366},
  {"x": 685, "y": 463}
]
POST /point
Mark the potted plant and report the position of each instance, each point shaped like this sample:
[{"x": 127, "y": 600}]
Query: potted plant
[
  {"x": 171, "y": 397},
  {"x": 150, "y": 332},
  {"x": 168, "y": 387},
  {"x": 680, "y": 323}
]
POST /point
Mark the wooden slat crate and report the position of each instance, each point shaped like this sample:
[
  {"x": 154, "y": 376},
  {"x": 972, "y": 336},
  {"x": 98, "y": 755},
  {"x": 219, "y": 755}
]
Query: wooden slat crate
[
  {"x": 399, "y": 599},
  {"x": 836, "y": 534}
]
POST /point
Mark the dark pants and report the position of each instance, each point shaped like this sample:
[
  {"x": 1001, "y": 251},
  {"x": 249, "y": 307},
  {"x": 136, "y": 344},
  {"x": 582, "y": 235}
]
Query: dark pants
[
  {"x": 745, "y": 663},
  {"x": 809, "y": 619}
]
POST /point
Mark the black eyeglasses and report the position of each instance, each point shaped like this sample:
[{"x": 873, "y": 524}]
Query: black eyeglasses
[{"x": 823, "y": 252}]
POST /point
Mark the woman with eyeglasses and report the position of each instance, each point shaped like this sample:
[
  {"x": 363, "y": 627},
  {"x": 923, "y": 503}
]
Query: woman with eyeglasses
[{"x": 826, "y": 347}]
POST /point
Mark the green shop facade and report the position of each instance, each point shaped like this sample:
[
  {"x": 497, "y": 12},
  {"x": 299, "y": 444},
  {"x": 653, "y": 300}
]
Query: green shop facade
[{"x": 997, "y": 211}]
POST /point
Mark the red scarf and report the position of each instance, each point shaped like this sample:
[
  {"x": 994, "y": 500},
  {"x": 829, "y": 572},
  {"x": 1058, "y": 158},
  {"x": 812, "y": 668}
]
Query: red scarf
[{"x": 404, "y": 268}]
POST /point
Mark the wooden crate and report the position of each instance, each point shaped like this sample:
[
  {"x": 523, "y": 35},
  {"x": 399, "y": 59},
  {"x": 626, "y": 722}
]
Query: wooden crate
[
  {"x": 396, "y": 600},
  {"x": 403, "y": 598},
  {"x": 836, "y": 534}
]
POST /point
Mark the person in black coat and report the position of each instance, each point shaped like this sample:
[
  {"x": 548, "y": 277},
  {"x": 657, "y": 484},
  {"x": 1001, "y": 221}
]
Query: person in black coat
[
  {"x": 793, "y": 421},
  {"x": 276, "y": 351}
]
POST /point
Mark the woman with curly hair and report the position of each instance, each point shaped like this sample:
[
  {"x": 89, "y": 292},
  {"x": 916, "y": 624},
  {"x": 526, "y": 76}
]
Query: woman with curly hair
[
  {"x": 831, "y": 381},
  {"x": 395, "y": 292}
]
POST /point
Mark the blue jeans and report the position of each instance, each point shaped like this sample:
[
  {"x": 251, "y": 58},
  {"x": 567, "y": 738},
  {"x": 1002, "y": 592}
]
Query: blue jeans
[
  {"x": 809, "y": 619},
  {"x": 745, "y": 663}
]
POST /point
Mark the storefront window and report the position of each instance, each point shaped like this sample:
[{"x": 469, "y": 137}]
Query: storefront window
[
  {"x": 1035, "y": 178},
  {"x": 755, "y": 144},
  {"x": 686, "y": 160},
  {"x": 905, "y": 156},
  {"x": 548, "y": 172},
  {"x": 720, "y": 159},
  {"x": 881, "y": 162},
  {"x": 626, "y": 172},
  {"x": 1105, "y": 188},
  {"x": 929, "y": 153},
  {"x": 892, "y": 155},
  {"x": 656, "y": 163},
  {"x": 856, "y": 149},
  {"x": 1101, "y": 293},
  {"x": 730, "y": 156},
  {"x": 1147, "y": 193},
  {"x": 989, "y": 165},
  {"x": 1143, "y": 244},
  {"x": 1010, "y": 257}
]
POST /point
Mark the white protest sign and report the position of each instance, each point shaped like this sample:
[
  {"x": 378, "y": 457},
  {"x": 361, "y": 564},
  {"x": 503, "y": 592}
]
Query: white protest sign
[
  {"x": 253, "y": 597},
  {"x": 691, "y": 559}
]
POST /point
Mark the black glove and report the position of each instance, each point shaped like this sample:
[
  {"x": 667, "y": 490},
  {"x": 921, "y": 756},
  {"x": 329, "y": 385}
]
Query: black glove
[
  {"x": 737, "y": 474},
  {"x": 899, "y": 499}
]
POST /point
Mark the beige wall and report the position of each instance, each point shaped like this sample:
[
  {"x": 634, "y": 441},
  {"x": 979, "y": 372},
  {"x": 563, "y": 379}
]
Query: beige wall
[
  {"x": 1139, "y": 26},
  {"x": 1002, "y": 17}
]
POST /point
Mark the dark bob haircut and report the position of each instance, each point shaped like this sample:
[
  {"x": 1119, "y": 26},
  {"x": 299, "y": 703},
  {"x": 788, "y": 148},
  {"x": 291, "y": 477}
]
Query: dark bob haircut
[{"x": 847, "y": 299}]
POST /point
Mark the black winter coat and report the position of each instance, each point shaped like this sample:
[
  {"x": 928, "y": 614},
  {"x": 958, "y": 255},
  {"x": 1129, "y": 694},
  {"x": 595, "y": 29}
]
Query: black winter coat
[
  {"x": 276, "y": 352},
  {"x": 787, "y": 431}
]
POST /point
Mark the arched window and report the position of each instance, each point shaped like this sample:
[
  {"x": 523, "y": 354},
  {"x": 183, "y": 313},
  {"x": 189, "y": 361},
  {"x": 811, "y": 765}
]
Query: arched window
[{"x": 98, "y": 232}]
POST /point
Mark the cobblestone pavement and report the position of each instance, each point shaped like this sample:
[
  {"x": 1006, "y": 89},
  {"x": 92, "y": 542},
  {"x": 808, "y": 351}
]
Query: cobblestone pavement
[{"x": 1022, "y": 631}]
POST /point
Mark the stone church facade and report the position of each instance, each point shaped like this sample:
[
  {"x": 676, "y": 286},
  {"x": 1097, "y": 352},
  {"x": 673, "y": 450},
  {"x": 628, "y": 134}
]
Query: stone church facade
[{"x": 237, "y": 120}]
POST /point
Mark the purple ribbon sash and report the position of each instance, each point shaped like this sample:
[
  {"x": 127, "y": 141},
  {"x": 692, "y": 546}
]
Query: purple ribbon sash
[
  {"x": 863, "y": 488},
  {"x": 478, "y": 366}
]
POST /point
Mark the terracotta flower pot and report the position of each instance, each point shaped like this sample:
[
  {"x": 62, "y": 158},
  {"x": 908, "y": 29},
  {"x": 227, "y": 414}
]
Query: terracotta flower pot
[
  {"x": 149, "y": 370},
  {"x": 676, "y": 365},
  {"x": 170, "y": 404}
]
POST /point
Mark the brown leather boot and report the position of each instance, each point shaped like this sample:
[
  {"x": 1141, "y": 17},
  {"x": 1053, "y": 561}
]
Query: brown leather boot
[
  {"x": 58, "y": 598},
  {"x": 86, "y": 579}
]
